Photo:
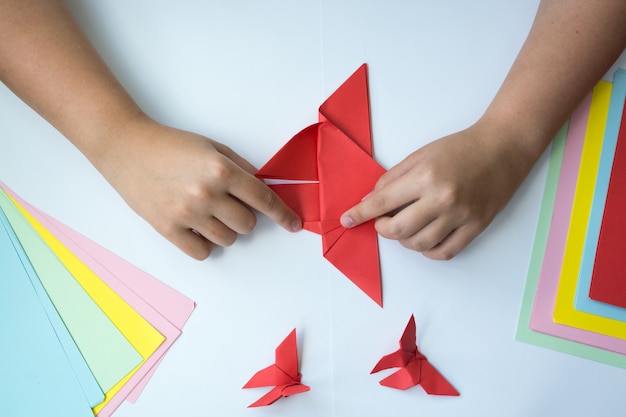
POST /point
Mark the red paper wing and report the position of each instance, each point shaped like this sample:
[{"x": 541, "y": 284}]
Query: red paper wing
[
  {"x": 269, "y": 398},
  {"x": 296, "y": 160},
  {"x": 348, "y": 109},
  {"x": 295, "y": 389},
  {"x": 396, "y": 359},
  {"x": 284, "y": 374},
  {"x": 287, "y": 356},
  {"x": 406, "y": 353},
  {"x": 285, "y": 368},
  {"x": 407, "y": 341},
  {"x": 278, "y": 392},
  {"x": 406, "y": 377},
  {"x": 268, "y": 377},
  {"x": 355, "y": 254},
  {"x": 434, "y": 383}
]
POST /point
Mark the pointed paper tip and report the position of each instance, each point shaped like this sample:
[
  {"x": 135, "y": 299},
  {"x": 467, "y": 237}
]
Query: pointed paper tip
[
  {"x": 289, "y": 344},
  {"x": 408, "y": 339},
  {"x": 348, "y": 109}
]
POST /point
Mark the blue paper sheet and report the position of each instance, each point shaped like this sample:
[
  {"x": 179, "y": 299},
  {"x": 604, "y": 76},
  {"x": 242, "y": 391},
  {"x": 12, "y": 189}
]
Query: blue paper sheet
[
  {"x": 88, "y": 382},
  {"x": 36, "y": 376}
]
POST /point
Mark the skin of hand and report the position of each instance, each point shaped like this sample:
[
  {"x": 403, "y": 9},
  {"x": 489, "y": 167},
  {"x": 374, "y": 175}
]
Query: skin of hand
[
  {"x": 449, "y": 190},
  {"x": 438, "y": 199},
  {"x": 194, "y": 191}
]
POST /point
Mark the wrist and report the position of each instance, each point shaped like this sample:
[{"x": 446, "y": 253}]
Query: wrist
[
  {"x": 522, "y": 136},
  {"x": 116, "y": 139},
  {"x": 512, "y": 148}
]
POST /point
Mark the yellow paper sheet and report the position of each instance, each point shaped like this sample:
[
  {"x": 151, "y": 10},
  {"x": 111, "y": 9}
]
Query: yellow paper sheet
[
  {"x": 564, "y": 310},
  {"x": 141, "y": 334}
]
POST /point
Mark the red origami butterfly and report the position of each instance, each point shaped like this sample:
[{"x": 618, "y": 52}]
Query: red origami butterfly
[
  {"x": 414, "y": 367},
  {"x": 283, "y": 375}
]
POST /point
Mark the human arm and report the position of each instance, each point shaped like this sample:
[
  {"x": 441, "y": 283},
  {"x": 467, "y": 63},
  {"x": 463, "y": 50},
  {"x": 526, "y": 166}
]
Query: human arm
[
  {"x": 438, "y": 199},
  {"x": 194, "y": 191}
]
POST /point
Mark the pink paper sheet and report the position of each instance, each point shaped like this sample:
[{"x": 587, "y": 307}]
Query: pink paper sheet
[
  {"x": 163, "y": 307},
  {"x": 541, "y": 319}
]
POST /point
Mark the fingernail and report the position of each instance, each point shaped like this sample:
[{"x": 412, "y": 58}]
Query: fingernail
[
  {"x": 296, "y": 225},
  {"x": 346, "y": 221}
]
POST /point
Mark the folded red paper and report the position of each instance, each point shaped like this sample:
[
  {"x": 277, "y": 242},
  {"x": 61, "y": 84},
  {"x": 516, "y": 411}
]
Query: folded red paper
[
  {"x": 283, "y": 375},
  {"x": 414, "y": 367},
  {"x": 330, "y": 169}
]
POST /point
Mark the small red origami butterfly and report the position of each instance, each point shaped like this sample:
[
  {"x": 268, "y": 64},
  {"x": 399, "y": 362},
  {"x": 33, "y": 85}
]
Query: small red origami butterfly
[
  {"x": 283, "y": 375},
  {"x": 414, "y": 367}
]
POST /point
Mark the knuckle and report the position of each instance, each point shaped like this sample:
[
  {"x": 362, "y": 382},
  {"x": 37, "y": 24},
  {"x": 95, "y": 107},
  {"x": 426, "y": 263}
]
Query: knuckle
[
  {"x": 181, "y": 211},
  {"x": 448, "y": 195},
  {"x": 248, "y": 225},
  {"x": 378, "y": 202},
  {"x": 429, "y": 177},
  {"x": 230, "y": 241},
  {"x": 394, "y": 231},
  {"x": 440, "y": 254},
  {"x": 415, "y": 244},
  {"x": 225, "y": 239},
  {"x": 219, "y": 170},
  {"x": 200, "y": 253},
  {"x": 168, "y": 230},
  {"x": 268, "y": 201},
  {"x": 383, "y": 229}
]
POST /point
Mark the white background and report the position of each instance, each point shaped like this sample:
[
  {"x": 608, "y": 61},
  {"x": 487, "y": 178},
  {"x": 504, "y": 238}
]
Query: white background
[{"x": 251, "y": 74}]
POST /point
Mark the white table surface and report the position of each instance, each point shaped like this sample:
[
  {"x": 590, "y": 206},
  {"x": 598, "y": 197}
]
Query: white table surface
[{"x": 251, "y": 74}]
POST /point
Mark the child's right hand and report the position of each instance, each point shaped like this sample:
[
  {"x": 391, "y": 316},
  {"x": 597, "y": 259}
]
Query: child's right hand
[{"x": 440, "y": 197}]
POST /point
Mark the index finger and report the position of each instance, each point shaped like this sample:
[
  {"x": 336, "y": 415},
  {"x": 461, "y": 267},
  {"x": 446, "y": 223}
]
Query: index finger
[
  {"x": 256, "y": 194},
  {"x": 379, "y": 202}
]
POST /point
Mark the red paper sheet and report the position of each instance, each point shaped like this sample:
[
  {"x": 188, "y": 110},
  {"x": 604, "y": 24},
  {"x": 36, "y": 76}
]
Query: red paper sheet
[{"x": 608, "y": 281}]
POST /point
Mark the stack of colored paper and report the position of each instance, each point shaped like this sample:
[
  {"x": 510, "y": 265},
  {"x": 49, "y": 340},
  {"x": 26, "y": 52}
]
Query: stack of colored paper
[
  {"x": 82, "y": 330},
  {"x": 575, "y": 295}
]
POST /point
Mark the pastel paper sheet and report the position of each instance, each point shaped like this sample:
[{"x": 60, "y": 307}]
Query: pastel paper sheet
[
  {"x": 139, "y": 332},
  {"x": 331, "y": 169},
  {"x": 283, "y": 376},
  {"x": 610, "y": 280},
  {"x": 139, "y": 289},
  {"x": 581, "y": 128},
  {"x": 105, "y": 349},
  {"x": 608, "y": 284},
  {"x": 535, "y": 323},
  {"x": 552, "y": 271},
  {"x": 564, "y": 311},
  {"x": 90, "y": 387},
  {"x": 415, "y": 369},
  {"x": 33, "y": 361}
]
